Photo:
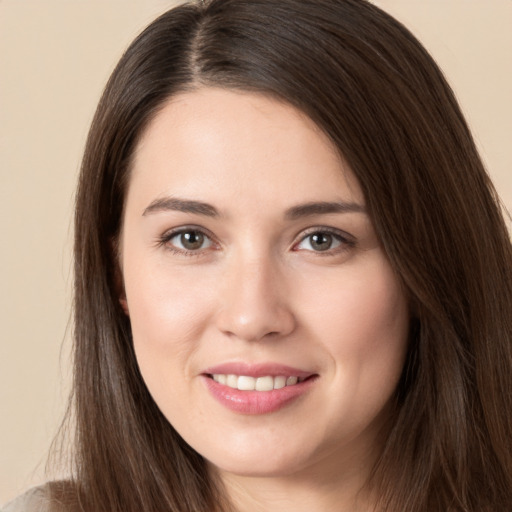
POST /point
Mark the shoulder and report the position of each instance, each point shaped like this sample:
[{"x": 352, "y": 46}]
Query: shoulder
[
  {"x": 34, "y": 500},
  {"x": 49, "y": 497}
]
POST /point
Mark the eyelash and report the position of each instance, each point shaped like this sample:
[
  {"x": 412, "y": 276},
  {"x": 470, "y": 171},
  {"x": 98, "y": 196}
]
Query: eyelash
[
  {"x": 345, "y": 240},
  {"x": 164, "y": 240}
]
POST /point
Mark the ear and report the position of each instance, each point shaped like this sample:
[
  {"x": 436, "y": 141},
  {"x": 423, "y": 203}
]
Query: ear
[
  {"x": 118, "y": 276},
  {"x": 124, "y": 305}
]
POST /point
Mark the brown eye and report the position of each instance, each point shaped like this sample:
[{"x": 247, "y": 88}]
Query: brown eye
[
  {"x": 189, "y": 240},
  {"x": 320, "y": 241}
]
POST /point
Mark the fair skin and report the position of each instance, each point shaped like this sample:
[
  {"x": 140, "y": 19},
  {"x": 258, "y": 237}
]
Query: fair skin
[{"x": 246, "y": 249}]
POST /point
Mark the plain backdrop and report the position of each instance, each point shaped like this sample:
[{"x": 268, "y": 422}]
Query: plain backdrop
[{"x": 55, "y": 56}]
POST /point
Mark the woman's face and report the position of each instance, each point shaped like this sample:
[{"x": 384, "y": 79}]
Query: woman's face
[{"x": 249, "y": 262}]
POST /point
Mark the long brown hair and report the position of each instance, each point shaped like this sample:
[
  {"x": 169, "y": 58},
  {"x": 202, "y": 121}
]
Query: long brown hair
[{"x": 375, "y": 91}]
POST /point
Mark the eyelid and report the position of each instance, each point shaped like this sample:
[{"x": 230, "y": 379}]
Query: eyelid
[
  {"x": 164, "y": 239},
  {"x": 347, "y": 240}
]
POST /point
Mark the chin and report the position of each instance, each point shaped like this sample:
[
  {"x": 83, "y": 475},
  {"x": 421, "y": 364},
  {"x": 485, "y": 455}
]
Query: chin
[
  {"x": 257, "y": 467},
  {"x": 264, "y": 460}
]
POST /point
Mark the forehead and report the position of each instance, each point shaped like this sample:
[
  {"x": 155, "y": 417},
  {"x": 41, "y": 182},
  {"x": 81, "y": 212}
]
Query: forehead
[{"x": 238, "y": 146}]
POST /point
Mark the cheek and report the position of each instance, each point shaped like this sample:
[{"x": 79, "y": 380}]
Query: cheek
[
  {"x": 167, "y": 316},
  {"x": 363, "y": 322},
  {"x": 365, "y": 311},
  {"x": 164, "y": 303},
  {"x": 168, "y": 312}
]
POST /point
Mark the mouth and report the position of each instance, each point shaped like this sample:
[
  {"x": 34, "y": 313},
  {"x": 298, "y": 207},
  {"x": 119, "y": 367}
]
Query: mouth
[
  {"x": 263, "y": 383},
  {"x": 257, "y": 389}
]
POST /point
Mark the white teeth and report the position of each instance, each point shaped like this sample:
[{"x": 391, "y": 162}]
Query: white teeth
[
  {"x": 232, "y": 381},
  {"x": 246, "y": 383},
  {"x": 264, "y": 384},
  {"x": 279, "y": 382},
  {"x": 218, "y": 377}
]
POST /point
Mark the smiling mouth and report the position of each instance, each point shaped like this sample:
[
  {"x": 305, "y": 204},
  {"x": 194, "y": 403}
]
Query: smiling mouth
[
  {"x": 258, "y": 388},
  {"x": 264, "y": 383}
]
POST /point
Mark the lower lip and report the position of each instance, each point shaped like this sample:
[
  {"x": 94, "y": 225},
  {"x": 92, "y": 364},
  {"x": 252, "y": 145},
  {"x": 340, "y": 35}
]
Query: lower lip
[{"x": 257, "y": 402}]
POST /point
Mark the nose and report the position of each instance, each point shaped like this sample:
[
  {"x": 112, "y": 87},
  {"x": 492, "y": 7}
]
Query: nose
[{"x": 253, "y": 302}]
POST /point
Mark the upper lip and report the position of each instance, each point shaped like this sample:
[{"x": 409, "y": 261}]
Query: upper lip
[{"x": 257, "y": 370}]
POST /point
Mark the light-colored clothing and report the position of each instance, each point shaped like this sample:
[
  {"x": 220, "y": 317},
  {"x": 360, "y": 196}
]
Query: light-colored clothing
[{"x": 34, "y": 500}]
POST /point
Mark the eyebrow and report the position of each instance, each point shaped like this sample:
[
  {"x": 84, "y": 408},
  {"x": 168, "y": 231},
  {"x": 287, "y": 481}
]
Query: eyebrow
[
  {"x": 181, "y": 205},
  {"x": 295, "y": 212},
  {"x": 322, "y": 208}
]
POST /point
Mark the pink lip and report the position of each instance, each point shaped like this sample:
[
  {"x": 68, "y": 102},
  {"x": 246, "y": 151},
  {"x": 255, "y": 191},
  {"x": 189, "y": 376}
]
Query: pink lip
[
  {"x": 257, "y": 402},
  {"x": 257, "y": 370}
]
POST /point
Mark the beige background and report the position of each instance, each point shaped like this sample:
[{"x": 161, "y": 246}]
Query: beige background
[{"x": 55, "y": 57}]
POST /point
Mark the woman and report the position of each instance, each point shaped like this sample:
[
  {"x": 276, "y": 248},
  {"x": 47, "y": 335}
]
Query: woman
[{"x": 293, "y": 280}]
